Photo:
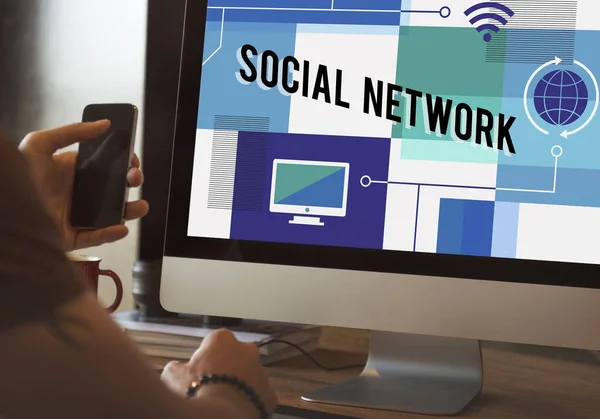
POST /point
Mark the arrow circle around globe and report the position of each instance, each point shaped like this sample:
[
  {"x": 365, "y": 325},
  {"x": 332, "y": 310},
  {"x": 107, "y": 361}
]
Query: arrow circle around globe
[{"x": 565, "y": 134}]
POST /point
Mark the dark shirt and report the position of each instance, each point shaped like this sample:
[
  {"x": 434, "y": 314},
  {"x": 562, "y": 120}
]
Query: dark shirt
[{"x": 35, "y": 275}]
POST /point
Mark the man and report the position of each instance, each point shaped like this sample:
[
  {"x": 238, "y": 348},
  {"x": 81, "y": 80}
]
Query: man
[{"x": 61, "y": 355}]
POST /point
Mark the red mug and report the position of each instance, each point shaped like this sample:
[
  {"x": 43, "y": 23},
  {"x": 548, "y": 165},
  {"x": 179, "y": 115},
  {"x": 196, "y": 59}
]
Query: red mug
[{"x": 90, "y": 267}]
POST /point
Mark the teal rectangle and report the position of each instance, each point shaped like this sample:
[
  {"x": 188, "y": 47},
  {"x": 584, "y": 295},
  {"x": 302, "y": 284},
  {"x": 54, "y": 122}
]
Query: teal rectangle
[{"x": 447, "y": 151}]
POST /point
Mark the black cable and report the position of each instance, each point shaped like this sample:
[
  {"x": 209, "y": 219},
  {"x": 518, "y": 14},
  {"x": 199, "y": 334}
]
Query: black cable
[{"x": 310, "y": 357}]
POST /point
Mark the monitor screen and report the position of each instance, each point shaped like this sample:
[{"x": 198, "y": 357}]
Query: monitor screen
[
  {"x": 309, "y": 188},
  {"x": 429, "y": 127}
]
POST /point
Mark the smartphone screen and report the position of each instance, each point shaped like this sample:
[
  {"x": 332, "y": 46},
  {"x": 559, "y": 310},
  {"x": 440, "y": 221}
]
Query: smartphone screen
[{"x": 100, "y": 185}]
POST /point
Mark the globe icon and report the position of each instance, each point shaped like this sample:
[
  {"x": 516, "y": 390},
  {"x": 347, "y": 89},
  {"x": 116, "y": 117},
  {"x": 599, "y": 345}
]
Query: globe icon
[{"x": 560, "y": 97}]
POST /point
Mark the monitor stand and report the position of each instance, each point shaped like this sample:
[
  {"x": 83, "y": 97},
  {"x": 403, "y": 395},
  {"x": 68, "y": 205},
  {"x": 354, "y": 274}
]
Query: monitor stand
[
  {"x": 412, "y": 374},
  {"x": 307, "y": 221}
]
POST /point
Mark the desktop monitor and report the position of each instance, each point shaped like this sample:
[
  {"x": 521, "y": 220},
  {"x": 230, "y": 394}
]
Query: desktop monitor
[
  {"x": 400, "y": 166},
  {"x": 311, "y": 188}
]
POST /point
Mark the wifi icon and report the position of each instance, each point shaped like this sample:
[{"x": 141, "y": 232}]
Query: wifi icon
[{"x": 488, "y": 27}]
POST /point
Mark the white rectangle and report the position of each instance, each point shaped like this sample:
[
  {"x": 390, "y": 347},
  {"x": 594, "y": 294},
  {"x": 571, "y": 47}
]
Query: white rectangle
[
  {"x": 429, "y": 211},
  {"x": 439, "y": 172},
  {"x": 400, "y": 217},
  {"x": 558, "y": 233},
  {"x": 357, "y": 56},
  {"x": 204, "y": 221},
  {"x": 587, "y": 15}
]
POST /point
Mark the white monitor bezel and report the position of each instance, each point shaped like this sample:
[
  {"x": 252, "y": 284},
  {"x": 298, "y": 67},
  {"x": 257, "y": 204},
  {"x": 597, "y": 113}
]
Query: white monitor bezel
[{"x": 425, "y": 305}]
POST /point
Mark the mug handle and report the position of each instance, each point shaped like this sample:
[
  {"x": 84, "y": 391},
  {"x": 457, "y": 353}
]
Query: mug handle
[{"x": 118, "y": 284}]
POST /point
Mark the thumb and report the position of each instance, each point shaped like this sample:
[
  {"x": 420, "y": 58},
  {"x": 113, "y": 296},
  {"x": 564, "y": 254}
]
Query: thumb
[
  {"x": 50, "y": 141},
  {"x": 177, "y": 377},
  {"x": 86, "y": 239}
]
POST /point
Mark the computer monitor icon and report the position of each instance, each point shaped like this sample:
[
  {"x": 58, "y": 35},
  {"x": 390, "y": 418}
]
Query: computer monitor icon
[{"x": 309, "y": 189}]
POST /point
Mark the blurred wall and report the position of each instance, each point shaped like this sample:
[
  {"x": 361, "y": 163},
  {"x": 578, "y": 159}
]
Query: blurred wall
[
  {"x": 18, "y": 54},
  {"x": 63, "y": 55}
]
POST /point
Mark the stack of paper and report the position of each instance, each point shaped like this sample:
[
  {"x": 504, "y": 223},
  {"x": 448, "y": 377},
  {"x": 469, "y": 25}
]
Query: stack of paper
[{"x": 179, "y": 337}]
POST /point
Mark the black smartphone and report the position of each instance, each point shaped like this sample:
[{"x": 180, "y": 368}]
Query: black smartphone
[{"x": 100, "y": 186}]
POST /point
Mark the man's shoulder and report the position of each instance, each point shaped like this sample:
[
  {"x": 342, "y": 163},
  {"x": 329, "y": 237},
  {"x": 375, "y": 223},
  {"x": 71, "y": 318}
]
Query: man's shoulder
[{"x": 35, "y": 275}]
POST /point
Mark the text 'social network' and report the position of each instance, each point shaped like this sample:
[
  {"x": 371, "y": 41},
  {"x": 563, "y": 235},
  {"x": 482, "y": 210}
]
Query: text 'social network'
[{"x": 382, "y": 99}]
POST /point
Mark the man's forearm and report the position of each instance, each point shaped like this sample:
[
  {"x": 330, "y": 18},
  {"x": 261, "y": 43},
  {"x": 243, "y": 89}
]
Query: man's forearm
[{"x": 80, "y": 364}]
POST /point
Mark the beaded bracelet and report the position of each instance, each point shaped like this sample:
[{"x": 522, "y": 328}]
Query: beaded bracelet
[{"x": 234, "y": 382}]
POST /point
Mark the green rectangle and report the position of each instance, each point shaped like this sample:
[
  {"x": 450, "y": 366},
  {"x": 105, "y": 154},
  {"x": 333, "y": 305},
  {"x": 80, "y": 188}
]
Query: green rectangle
[{"x": 447, "y": 62}]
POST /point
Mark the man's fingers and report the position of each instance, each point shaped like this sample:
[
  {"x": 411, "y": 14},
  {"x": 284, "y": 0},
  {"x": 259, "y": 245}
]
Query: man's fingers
[
  {"x": 49, "y": 142},
  {"x": 135, "y": 161},
  {"x": 135, "y": 178},
  {"x": 95, "y": 238},
  {"x": 136, "y": 209}
]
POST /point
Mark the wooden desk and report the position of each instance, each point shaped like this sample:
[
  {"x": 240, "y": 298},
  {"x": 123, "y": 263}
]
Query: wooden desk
[{"x": 519, "y": 381}]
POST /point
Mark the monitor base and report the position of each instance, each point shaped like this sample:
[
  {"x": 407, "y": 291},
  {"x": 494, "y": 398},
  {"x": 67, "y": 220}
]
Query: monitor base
[
  {"x": 307, "y": 221},
  {"x": 412, "y": 374}
]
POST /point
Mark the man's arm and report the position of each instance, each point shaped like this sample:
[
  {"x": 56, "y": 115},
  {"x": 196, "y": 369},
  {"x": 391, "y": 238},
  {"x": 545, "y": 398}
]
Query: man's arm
[
  {"x": 61, "y": 355},
  {"x": 79, "y": 364}
]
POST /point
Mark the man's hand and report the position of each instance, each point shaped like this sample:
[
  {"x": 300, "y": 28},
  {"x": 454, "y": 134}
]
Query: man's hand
[
  {"x": 222, "y": 353},
  {"x": 53, "y": 175}
]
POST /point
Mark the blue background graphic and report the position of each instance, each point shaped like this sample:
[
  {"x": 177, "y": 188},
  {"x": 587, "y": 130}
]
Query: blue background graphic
[
  {"x": 533, "y": 165},
  {"x": 222, "y": 94},
  {"x": 234, "y": 23},
  {"x": 363, "y": 225}
]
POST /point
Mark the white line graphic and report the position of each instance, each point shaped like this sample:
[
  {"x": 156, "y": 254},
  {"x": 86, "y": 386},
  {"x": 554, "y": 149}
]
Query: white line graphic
[
  {"x": 444, "y": 12},
  {"x": 556, "y": 152},
  {"x": 220, "y": 39}
]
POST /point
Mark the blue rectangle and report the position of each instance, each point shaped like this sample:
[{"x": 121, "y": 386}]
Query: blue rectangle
[
  {"x": 326, "y": 17},
  {"x": 250, "y": 171},
  {"x": 478, "y": 228},
  {"x": 368, "y": 4},
  {"x": 278, "y": 4},
  {"x": 572, "y": 185},
  {"x": 450, "y": 225},
  {"x": 364, "y": 222},
  {"x": 506, "y": 227},
  {"x": 214, "y": 15},
  {"x": 536, "y": 178}
]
